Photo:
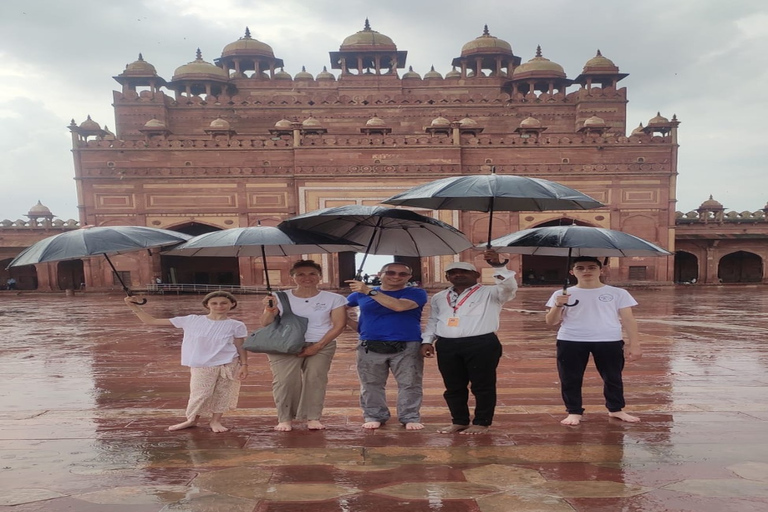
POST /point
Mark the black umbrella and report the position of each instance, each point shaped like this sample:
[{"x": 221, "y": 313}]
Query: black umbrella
[
  {"x": 570, "y": 241},
  {"x": 494, "y": 192},
  {"x": 381, "y": 230},
  {"x": 262, "y": 241},
  {"x": 97, "y": 240}
]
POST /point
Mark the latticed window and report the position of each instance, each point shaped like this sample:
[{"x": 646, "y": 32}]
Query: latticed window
[{"x": 638, "y": 273}]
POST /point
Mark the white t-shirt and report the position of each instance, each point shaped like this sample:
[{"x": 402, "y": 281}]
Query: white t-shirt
[
  {"x": 208, "y": 342},
  {"x": 596, "y": 316},
  {"x": 317, "y": 310}
]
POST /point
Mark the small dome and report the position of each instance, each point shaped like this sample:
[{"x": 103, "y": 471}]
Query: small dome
[
  {"x": 311, "y": 122},
  {"x": 367, "y": 39},
  {"x": 486, "y": 43},
  {"x": 638, "y": 130},
  {"x": 467, "y": 122},
  {"x": 140, "y": 68},
  {"x": 599, "y": 65},
  {"x": 325, "y": 75},
  {"x": 283, "y": 75},
  {"x": 432, "y": 74},
  {"x": 711, "y": 204},
  {"x": 530, "y": 122},
  {"x": 375, "y": 121},
  {"x": 539, "y": 66},
  {"x": 199, "y": 69},
  {"x": 219, "y": 124},
  {"x": 247, "y": 46},
  {"x": 659, "y": 119},
  {"x": 411, "y": 73},
  {"x": 454, "y": 73},
  {"x": 440, "y": 121},
  {"x": 154, "y": 123},
  {"x": 283, "y": 123},
  {"x": 303, "y": 75},
  {"x": 594, "y": 122},
  {"x": 39, "y": 210},
  {"x": 90, "y": 124}
]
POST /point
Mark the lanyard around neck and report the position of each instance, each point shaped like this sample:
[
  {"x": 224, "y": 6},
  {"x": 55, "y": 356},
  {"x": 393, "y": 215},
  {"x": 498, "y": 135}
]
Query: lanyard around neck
[{"x": 462, "y": 301}]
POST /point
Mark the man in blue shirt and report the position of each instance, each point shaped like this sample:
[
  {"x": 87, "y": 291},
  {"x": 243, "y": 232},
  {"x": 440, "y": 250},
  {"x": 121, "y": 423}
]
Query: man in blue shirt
[{"x": 389, "y": 324}]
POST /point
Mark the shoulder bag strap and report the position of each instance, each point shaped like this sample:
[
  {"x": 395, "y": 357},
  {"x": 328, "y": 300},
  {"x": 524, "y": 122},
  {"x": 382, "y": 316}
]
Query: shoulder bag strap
[{"x": 285, "y": 301}]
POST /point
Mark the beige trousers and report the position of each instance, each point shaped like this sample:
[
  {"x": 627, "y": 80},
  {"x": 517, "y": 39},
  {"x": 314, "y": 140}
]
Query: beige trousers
[
  {"x": 213, "y": 389},
  {"x": 299, "y": 383}
]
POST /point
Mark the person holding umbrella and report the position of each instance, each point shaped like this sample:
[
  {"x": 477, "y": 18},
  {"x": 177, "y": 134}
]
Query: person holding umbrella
[
  {"x": 213, "y": 350},
  {"x": 462, "y": 323},
  {"x": 299, "y": 380},
  {"x": 592, "y": 324}
]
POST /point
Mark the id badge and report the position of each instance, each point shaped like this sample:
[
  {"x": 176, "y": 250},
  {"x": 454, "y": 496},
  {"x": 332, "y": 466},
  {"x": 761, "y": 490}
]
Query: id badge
[{"x": 453, "y": 321}]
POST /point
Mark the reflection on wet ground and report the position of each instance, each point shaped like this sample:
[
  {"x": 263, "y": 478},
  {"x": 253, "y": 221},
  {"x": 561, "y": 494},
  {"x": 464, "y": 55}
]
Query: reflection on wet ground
[{"x": 88, "y": 392}]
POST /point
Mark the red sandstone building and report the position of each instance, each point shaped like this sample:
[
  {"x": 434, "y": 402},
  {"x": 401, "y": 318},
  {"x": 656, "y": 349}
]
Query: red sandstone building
[{"x": 237, "y": 141}]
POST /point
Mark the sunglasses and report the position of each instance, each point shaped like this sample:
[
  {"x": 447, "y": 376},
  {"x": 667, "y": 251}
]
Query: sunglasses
[{"x": 392, "y": 273}]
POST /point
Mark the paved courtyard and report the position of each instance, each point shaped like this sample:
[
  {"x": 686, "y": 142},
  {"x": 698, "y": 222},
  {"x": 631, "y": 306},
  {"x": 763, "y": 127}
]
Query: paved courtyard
[{"x": 87, "y": 392}]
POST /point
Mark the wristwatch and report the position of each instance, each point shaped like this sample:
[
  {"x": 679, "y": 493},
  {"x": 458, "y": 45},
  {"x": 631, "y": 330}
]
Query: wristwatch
[{"x": 372, "y": 293}]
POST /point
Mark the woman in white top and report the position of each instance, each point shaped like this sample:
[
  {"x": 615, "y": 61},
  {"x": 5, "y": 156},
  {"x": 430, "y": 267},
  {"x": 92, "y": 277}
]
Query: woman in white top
[
  {"x": 299, "y": 381},
  {"x": 213, "y": 350}
]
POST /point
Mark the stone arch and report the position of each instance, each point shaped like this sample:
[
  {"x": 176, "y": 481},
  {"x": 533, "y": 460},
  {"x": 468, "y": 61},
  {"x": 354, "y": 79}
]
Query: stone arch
[
  {"x": 171, "y": 269},
  {"x": 548, "y": 270},
  {"x": 740, "y": 267},
  {"x": 26, "y": 276},
  {"x": 686, "y": 267}
]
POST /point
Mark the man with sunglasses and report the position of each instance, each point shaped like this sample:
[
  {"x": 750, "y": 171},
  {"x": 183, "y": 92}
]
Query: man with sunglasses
[
  {"x": 591, "y": 316},
  {"x": 389, "y": 324},
  {"x": 463, "y": 324}
]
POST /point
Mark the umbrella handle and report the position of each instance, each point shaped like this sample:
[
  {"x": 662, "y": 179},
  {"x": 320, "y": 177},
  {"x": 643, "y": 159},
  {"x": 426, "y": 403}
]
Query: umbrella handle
[
  {"x": 571, "y": 305},
  {"x": 506, "y": 260}
]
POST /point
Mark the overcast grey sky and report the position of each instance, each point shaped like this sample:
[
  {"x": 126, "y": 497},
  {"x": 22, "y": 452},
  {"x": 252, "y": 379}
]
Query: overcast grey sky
[{"x": 704, "y": 60}]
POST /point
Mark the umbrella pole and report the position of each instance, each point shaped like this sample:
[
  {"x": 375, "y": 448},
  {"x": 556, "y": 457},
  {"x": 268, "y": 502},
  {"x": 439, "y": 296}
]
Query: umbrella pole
[
  {"x": 125, "y": 288},
  {"x": 359, "y": 275},
  {"x": 565, "y": 284},
  {"x": 266, "y": 275},
  {"x": 490, "y": 230}
]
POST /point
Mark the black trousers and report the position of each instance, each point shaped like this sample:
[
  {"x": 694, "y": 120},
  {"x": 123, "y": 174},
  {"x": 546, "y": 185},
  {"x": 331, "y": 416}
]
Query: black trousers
[
  {"x": 572, "y": 359},
  {"x": 472, "y": 362}
]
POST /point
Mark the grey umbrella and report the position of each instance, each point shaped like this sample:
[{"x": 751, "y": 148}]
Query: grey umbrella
[
  {"x": 381, "y": 230},
  {"x": 97, "y": 240},
  {"x": 572, "y": 241},
  {"x": 494, "y": 192},
  {"x": 262, "y": 241}
]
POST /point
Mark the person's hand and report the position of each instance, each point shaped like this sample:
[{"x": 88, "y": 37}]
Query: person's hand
[
  {"x": 358, "y": 286},
  {"x": 632, "y": 352},
  {"x": 270, "y": 304},
  {"x": 493, "y": 259},
  {"x": 562, "y": 299},
  {"x": 242, "y": 373},
  {"x": 427, "y": 350},
  {"x": 132, "y": 301},
  {"x": 309, "y": 350}
]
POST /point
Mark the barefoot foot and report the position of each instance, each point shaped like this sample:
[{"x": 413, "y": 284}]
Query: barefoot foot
[
  {"x": 372, "y": 425},
  {"x": 218, "y": 427},
  {"x": 450, "y": 429},
  {"x": 414, "y": 426},
  {"x": 474, "y": 430},
  {"x": 284, "y": 426},
  {"x": 181, "y": 426},
  {"x": 315, "y": 425},
  {"x": 571, "y": 420},
  {"x": 621, "y": 415}
]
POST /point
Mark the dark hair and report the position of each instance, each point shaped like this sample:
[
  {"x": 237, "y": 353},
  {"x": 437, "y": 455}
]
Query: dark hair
[
  {"x": 220, "y": 293},
  {"x": 583, "y": 259},
  {"x": 306, "y": 263},
  {"x": 384, "y": 268}
]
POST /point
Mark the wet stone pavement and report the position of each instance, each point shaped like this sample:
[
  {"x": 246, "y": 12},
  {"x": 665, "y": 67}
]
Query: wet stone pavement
[{"x": 87, "y": 392}]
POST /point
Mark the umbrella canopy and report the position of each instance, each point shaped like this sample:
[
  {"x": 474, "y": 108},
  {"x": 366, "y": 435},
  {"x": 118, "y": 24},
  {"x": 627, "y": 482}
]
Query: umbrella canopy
[
  {"x": 494, "y": 192},
  {"x": 262, "y": 241},
  {"x": 383, "y": 230},
  {"x": 576, "y": 241},
  {"x": 97, "y": 240}
]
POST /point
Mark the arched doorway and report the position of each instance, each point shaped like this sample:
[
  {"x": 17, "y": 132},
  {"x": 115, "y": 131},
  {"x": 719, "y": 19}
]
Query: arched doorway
[
  {"x": 548, "y": 270},
  {"x": 26, "y": 276},
  {"x": 199, "y": 270},
  {"x": 70, "y": 275},
  {"x": 686, "y": 267},
  {"x": 740, "y": 267}
]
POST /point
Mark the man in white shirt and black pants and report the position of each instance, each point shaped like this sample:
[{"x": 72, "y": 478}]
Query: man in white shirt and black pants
[{"x": 463, "y": 322}]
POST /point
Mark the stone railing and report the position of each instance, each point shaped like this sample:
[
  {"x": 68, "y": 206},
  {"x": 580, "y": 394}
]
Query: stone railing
[
  {"x": 39, "y": 224},
  {"x": 726, "y": 217}
]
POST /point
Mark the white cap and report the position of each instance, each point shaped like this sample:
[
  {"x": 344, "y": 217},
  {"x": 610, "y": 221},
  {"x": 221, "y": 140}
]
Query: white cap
[{"x": 461, "y": 265}]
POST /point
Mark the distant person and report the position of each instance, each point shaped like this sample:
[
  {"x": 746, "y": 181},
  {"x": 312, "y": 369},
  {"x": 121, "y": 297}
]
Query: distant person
[
  {"x": 462, "y": 323},
  {"x": 213, "y": 350},
  {"x": 389, "y": 325},
  {"x": 11, "y": 283},
  {"x": 299, "y": 380},
  {"x": 593, "y": 326}
]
